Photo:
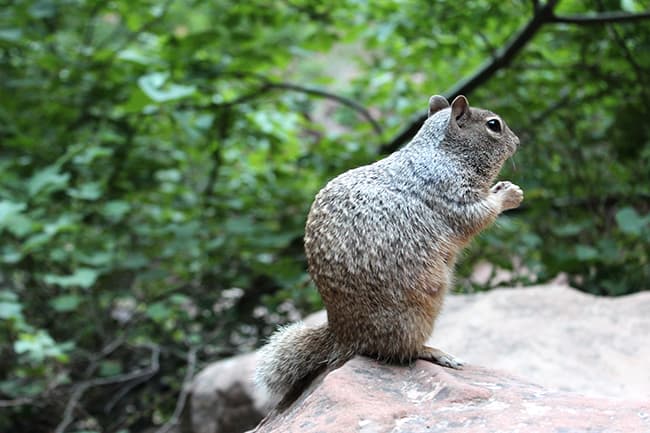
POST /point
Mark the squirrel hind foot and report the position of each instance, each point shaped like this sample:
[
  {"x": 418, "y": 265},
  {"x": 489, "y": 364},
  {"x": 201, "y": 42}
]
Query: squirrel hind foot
[{"x": 439, "y": 357}]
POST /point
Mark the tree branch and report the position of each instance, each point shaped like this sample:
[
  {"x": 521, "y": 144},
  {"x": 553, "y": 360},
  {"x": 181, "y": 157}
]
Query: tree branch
[
  {"x": 535, "y": 4},
  {"x": 639, "y": 71},
  {"x": 223, "y": 129},
  {"x": 601, "y": 18},
  {"x": 543, "y": 15},
  {"x": 81, "y": 388},
  {"x": 20, "y": 401},
  {"x": 185, "y": 389},
  {"x": 503, "y": 57},
  {"x": 267, "y": 84},
  {"x": 324, "y": 94}
]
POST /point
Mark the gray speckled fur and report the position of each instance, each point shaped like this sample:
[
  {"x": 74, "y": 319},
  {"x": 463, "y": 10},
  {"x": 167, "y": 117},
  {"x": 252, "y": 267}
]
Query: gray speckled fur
[{"x": 382, "y": 239}]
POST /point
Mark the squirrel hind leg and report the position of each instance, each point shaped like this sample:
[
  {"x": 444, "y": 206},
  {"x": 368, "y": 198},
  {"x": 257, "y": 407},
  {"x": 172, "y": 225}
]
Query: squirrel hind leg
[{"x": 439, "y": 357}]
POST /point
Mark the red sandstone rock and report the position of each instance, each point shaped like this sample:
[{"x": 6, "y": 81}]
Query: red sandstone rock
[{"x": 367, "y": 397}]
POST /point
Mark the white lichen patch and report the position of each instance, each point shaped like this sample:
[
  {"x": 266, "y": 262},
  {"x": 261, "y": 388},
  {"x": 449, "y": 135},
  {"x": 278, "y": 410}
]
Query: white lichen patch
[
  {"x": 415, "y": 395},
  {"x": 535, "y": 409},
  {"x": 495, "y": 405},
  {"x": 368, "y": 426},
  {"x": 488, "y": 385}
]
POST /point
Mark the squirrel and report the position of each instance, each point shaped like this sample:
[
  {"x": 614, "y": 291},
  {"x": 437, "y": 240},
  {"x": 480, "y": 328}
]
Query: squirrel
[{"x": 381, "y": 242}]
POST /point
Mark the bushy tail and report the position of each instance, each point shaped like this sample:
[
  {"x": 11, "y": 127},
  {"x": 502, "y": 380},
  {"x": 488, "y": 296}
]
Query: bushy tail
[{"x": 293, "y": 356}]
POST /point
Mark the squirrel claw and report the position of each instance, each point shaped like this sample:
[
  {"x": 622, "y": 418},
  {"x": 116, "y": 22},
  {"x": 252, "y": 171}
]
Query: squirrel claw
[
  {"x": 510, "y": 195},
  {"x": 439, "y": 357},
  {"x": 500, "y": 186}
]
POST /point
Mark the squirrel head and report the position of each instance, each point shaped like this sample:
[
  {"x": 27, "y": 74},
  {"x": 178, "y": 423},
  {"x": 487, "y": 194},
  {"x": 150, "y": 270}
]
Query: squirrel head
[{"x": 479, "y": 139}]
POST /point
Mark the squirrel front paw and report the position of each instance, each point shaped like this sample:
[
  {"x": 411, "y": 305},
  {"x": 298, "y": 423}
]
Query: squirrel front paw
[{"x": 509, "y": 194}]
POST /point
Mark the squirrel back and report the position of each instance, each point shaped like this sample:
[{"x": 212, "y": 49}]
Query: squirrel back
[{"x": 381, "y": 243}]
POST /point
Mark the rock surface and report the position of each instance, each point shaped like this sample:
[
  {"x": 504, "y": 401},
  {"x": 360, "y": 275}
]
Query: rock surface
[
  {"x": 366, "y": 397},
  {"x": 551, "y": 335},
  {"x": 554, "y": 336},
  {"x": 223, "y": 398}
]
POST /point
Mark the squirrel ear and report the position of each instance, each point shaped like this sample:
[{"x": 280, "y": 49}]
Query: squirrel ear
[
  {"x": 459, "y": 109},
  {"x": 437, "y": 103}
]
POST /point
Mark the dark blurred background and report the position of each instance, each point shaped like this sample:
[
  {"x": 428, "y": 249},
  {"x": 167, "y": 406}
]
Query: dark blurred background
[{"x": 158, "y": 159}]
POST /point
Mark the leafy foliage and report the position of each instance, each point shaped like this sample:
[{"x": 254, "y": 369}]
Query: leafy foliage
[{"x": 158, "y": 160}]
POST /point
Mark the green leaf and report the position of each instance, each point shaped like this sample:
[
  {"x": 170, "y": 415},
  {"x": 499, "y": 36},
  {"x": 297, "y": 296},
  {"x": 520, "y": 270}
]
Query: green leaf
[
  {"x": 96, "y": 258},
  {"x": 47, "y": 180},
  {"x": 87, "y": 191},
  {"x": 180, "y": 299},
  {"x": 136, "y": 56},
  {"x": 136, "y": 103},
  {"x": 608, "y": 250},
  {"x": 18, "y": 388},
  {"x": 12, "y": 218},
  {"x": 10, "y": 255},
  {"x": 586, "y": 253},
  {"x": 531, "y": 240},
  {"x": 20, "y": 225},
  {"x": 10, "y": 35},
  {"x": 38, "y": 346},
  {"x": 135, "y": 260},
  {"x": 156, "y": 87},
  {"x": 92, "y": 153},
  {"x": 65, "y": 303},
  {"x": 10, "y": 310},
  {"x": 115, "y": 210},
  {"x": 65, "y": 223},
  {"x": 172, "y": 175},
  {"x": 42, "y": 9},
  {"x": 9, "y": 209},
  {"x": 630, "y": 222},
  {"x": 7, "y": 295},
  {"x": 570, "y": 229},
  {"x": 631, "y": 6},
  {"x": 158, "y": 311},
  {"x": 82, "y": 277}
]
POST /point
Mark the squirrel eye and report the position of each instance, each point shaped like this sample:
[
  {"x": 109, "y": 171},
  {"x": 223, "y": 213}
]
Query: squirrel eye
[{"x": 494, "y": 125}]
